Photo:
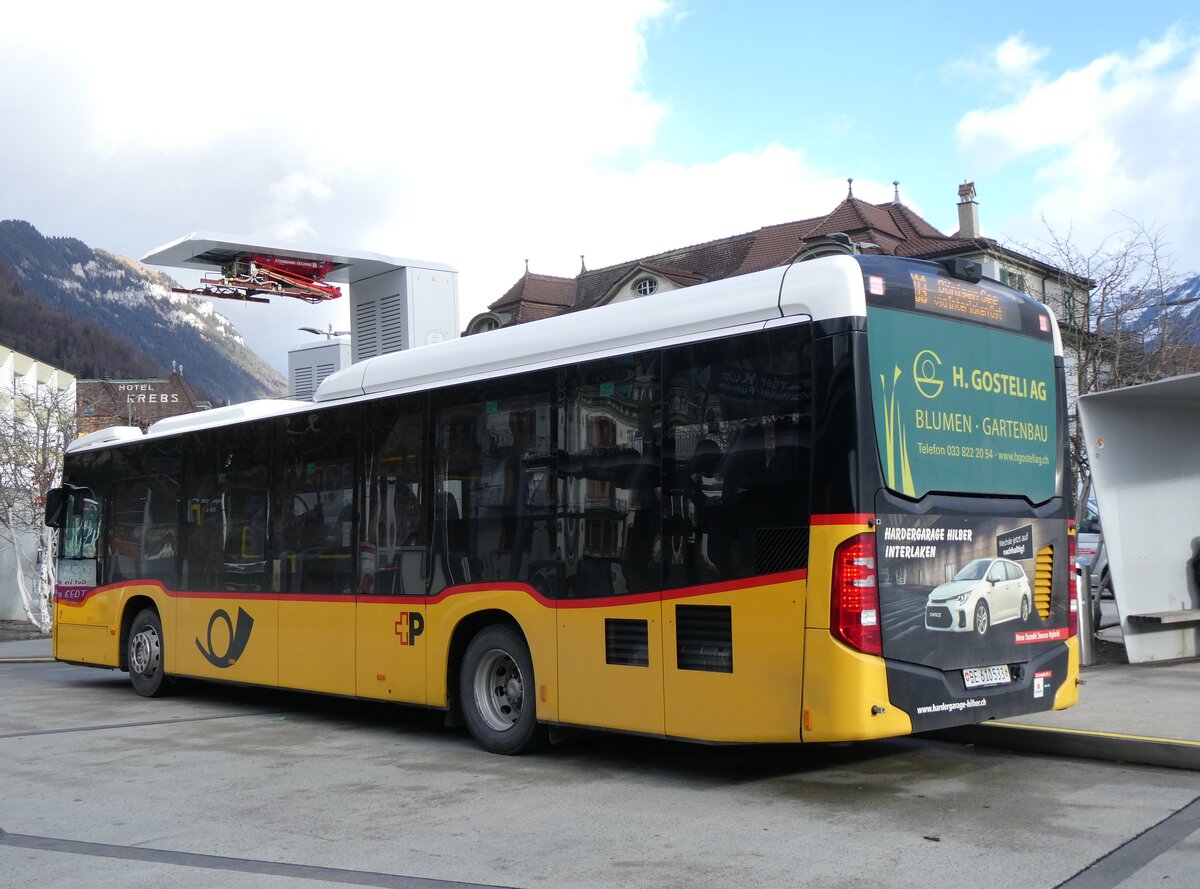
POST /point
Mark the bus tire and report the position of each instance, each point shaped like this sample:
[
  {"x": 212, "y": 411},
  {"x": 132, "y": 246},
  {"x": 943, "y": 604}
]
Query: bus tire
[
  {"x": 983, "y": 619},
  {"x": 144, "y": 654},
  {"x": 496, "y": 688}
]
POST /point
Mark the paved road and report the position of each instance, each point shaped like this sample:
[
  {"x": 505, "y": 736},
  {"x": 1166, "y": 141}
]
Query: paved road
[{"x": 244, "y": 788}]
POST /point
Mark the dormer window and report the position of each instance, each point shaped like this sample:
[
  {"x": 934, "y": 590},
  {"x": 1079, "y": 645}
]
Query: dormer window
[
  {"x": 482, "y": 323},
  {"x": 645, "y": 286}
]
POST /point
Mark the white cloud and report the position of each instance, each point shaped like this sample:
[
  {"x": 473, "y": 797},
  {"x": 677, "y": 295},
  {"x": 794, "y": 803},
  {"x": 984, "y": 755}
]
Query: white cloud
[
  {"x": 1115, "y": 136},
  {"x": 1009, "y": 67},
  {"x": 477, "y": 134},
  {"x": 1015, "y": 58}
]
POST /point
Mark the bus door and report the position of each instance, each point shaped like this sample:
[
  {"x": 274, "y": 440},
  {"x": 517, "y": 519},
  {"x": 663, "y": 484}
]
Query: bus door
[
  {"x": 316, "y": 551},
  {"x": 77, "y": 513},
  {"x": 393, "y": 558}
]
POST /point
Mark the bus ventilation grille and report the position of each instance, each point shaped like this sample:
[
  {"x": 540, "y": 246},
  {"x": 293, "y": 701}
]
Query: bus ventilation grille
[
  {"x": 1042, "y": 577},
  {"x": 626, "y": 643},
  {"x": 704, "y": 637},
  {"x": 780, "y": 549}
]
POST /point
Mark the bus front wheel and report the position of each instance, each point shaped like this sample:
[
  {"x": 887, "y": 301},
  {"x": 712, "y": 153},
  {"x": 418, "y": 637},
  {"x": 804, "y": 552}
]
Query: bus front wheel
[
  {"x": 144, "y": 654},
  {"x": 497, "y": 692}
]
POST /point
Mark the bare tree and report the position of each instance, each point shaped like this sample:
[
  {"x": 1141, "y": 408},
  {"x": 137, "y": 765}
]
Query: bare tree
[
  {"x": 1120, "y": 322},
  {"x": 36, "y": 422}
]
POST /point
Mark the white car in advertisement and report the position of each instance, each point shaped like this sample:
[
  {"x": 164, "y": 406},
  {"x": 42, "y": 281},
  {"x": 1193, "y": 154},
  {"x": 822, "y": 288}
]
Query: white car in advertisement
[{"x": 984, "y": 592}]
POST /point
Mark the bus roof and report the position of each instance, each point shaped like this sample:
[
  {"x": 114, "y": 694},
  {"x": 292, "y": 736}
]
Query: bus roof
[
  {"x": 817, "y": 289},
  {"x": 825, "y": 288},
  {"x": 221, "y": 416}
]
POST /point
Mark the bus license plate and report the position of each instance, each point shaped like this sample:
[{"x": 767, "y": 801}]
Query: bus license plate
[{"x": 979, "y": 677}]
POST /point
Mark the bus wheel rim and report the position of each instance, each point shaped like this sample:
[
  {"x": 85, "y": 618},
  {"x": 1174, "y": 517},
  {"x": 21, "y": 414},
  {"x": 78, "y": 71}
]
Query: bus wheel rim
[
  {"x": 499, "y": 690},
  {"x": 145, "y": 652}
]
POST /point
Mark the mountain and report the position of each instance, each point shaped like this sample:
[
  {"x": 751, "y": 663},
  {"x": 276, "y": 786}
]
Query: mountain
[
  {"x": 96, "y": 314},
  {"x": 1184, "y": 298},
  {"x": 1176, "y": 314}
]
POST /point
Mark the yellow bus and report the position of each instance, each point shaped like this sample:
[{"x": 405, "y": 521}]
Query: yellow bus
[{"x": 816, "y": 503}]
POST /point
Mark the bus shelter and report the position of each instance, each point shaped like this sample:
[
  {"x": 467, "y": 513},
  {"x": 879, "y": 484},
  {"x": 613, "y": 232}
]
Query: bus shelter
[{"x": 1144, "y": 446}]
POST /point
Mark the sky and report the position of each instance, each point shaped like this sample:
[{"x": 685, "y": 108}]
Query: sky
[{"x": 482, "y": 135}]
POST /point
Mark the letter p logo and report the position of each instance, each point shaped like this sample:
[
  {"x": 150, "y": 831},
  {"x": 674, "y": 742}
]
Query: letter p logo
[{"x": 410, "y": 625}]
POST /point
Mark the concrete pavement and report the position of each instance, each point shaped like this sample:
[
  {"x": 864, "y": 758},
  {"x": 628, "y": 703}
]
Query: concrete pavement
[{"x": 1143, "y": 713}]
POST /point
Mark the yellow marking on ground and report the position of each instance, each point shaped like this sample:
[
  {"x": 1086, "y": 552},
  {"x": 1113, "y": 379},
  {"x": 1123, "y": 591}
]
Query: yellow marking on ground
[{"x": 1088, "y": 733}]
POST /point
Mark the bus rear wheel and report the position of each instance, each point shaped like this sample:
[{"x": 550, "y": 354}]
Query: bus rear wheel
[
  {"x": 144, "y": 654},
  {"x": 496, "y": 688}
]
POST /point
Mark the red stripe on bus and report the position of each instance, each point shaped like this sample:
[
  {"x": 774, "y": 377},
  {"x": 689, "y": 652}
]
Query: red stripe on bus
[
  {"x": 689, "y": 592},
  {"x": 629, "y": 599},
  {"x": 843, "y": 518}
]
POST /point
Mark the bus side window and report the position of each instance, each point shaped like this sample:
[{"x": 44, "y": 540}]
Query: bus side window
[
  {"x": 609, "y": 512},
  {"x": 495, "y": 481},
  {"x": 393, "y": 524},
  {"x": 314, "y": 502},
  {"x": 225, "y": 512},
  {"x": 143, "y": 515},
  {"x": 738, "y": 456}
]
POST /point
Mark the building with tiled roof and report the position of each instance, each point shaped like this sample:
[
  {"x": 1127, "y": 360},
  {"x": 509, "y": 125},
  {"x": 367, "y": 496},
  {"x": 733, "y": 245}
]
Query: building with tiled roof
[
  {"x": 853, "y": 225},
  {"x": 533, "y": 297}
]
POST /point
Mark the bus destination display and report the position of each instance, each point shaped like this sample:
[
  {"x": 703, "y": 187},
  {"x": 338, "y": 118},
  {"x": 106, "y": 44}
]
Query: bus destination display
[{"x": 960, "y": 299}]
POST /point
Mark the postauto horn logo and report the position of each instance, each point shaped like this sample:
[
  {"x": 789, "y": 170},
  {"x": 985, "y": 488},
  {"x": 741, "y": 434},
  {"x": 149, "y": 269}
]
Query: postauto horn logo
[
  {"x": 925, "y": 373},
  {"x": 238, "y": 635}
]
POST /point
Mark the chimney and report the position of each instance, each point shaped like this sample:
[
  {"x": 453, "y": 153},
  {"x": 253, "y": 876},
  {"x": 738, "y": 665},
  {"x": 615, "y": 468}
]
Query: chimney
[{"x": 968, "y": 211}]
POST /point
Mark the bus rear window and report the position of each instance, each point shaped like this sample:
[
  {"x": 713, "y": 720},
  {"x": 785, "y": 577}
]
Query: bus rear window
[{"x": 960, "y": 407}]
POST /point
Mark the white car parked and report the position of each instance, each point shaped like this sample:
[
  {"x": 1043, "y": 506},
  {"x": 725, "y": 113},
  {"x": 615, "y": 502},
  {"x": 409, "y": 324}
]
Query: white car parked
[{"x": 982, "y": 593}]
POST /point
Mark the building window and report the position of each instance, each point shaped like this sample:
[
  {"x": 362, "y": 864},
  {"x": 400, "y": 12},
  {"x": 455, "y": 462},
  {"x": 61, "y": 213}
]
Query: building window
[
  {"x": 645, "y": 286},
  {"x": 1013, "y": 280}
]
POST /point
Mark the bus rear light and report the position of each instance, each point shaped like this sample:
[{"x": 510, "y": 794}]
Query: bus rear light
[
  {"x": 854, "y": 603},
  {"x": 1073, "y": 614}
]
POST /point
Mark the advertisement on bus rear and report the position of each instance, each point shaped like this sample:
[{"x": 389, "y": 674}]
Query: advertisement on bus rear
[
  {"x": 963, "y": 408},
  {"x": 960, "y": 592}
]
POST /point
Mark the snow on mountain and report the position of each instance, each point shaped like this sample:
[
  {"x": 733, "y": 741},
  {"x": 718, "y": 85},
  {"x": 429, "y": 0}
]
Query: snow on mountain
[{"x": 92, "y": 286}]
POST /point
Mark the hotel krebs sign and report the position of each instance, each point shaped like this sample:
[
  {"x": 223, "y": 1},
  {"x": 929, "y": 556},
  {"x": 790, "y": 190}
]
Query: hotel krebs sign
[{"x": 148, "y": 393}]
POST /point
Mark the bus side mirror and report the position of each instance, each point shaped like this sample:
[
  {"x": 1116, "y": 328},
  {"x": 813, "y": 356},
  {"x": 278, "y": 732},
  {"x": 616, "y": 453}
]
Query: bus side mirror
[{"x": 56, "y": 508}]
